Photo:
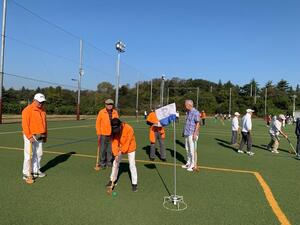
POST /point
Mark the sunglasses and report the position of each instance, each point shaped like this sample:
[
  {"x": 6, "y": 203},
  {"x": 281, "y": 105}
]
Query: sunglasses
[{"x": 109, "y": 104}]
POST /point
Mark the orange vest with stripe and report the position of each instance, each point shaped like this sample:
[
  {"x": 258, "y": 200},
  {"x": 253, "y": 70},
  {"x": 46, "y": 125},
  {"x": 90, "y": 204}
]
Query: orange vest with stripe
[
  {"x": 152, "y": 118},
  {"x": 126, "y": 143},
  {"x": 33, "y": 120},
  {"x": 103, "y": 126}
]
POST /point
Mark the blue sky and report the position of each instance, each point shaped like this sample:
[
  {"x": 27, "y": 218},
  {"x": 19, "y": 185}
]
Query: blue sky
[{"x": 234, "y": 40}]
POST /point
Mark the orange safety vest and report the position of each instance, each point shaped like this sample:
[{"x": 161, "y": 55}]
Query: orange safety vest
[
  {"x": 126, "y": 143},
  {"x": 33, "y": 120},
  {"x": 152, "y": 118},
  {"x": 103, "y": 126}
]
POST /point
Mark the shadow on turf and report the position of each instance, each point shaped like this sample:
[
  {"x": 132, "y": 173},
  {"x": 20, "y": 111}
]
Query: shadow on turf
[
  {"x": 123, "y": 168},
  {"x": 179, "y": 156},
  {"x": 225, "y": 144},
  {"x": 57, "y": 160},
  {"x": 73, "y": 141},
  {"x": 147, "y": 149},
  {"x": 153, "y": 166}
]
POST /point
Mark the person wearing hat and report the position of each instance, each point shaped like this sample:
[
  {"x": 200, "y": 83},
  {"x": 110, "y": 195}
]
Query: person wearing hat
[
  {"x": 103, "y": 130},
  {"x": 246, "y": 132},
  {"x": 34, "y": 125},
  {"x": 123, "y": 142},
  {"x": 235, "y": 128},
  {"x": 156, "y": 134},
  {"x": 274, "y": 132}
]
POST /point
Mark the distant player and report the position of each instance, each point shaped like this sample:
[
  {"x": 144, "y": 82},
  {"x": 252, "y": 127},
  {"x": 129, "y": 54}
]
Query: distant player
[
  {"x": 246, "y": 132},
  {"x": 235, "y": 128},
  {"x": 297, "y": 132}
]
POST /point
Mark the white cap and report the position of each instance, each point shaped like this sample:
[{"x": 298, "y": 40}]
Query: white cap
[
  {"x": 281, "y": 116},
  {"x": 249, "y": 110},
  {"x": 39, "y": 97},
  {"x": 236, "y": 114}
]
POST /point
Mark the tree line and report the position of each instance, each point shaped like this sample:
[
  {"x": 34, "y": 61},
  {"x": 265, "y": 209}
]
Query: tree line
[{"x": 213, "y": 97}]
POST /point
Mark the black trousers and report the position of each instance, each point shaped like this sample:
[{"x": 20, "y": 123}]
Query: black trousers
[{"x": 246, "y": 139}]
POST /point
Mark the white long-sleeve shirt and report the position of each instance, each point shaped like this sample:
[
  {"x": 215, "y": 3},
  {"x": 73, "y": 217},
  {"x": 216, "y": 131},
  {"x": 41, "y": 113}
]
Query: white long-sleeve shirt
[
  {"x": 246, "y": 123},
  {"x": 235, "y": 123}
]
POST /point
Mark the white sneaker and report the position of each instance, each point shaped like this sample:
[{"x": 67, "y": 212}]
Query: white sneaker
[
  {"x": 39, "y": 174},
  {"x": 250, "y": 153},
  {"x": 240, "y": 151},
  {"x": 190, "y": 169},
  {"x": 185, "y": 166},
  {"x": 275, "y": 151}
]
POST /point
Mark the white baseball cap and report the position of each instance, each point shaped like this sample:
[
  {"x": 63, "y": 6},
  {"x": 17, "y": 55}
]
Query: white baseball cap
[
  {"x": 249, "y": 110},
  {"x": 237, "y": 114},
  {"x": 281, "y": 116},
  {"x": 39, "y": 97}
]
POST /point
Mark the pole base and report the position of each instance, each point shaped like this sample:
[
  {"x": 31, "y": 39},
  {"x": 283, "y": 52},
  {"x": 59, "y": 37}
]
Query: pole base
[{"x": 174, "y": 203}]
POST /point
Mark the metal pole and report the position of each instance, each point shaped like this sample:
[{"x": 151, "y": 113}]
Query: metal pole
[
  {"x": 162, "y": 91},
  {"x": 175, "y": 174},
  {"x": 211, "y": 89},
  {"x": 229, "y": 111},
  {"x": 168, "y": 97},
  {"x": 117, "y": 82},
  {"x": 151, "y": 83},
  {"x": 255, "y": 95},
  {"x": 2, "y": 55},
  {"x": 294, "y": 104},
  {"x": 197, "y": 98},
  {"x": 251, "y": 90},
  {"x": 79, "y": 82},
  {"x": 137, "y": 100},
  {"x": 266, "y": 95}
]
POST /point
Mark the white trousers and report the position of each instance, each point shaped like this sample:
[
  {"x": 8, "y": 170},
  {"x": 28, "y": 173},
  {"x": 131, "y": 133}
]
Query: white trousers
[
  {"x": 191, "y": 148},
  {"x": 132, "y": 167},
  {"x": 37, "y": 152}
]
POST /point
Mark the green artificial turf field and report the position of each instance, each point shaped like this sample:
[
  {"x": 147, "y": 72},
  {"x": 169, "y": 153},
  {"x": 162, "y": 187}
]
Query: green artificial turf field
[{"x": 74, "y": 193}]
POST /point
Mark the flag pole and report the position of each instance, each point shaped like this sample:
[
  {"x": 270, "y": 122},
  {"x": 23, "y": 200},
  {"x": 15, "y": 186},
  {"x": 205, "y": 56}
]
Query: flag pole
[{"x": 175, "y": 174}]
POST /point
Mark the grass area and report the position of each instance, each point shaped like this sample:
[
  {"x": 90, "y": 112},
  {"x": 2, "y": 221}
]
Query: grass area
[{"x": 73, "y": 193}]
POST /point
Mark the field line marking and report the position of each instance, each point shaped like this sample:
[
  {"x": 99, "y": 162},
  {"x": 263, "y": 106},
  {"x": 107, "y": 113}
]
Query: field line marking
[
  {"x": 55, "y": 128},
  {"x": 267, "y": 190},
  {"x": 271, "y": 199}
]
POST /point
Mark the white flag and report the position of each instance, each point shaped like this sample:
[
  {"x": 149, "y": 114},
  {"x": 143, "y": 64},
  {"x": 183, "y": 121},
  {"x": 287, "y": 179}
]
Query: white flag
[{"x": 166, "y": 114}]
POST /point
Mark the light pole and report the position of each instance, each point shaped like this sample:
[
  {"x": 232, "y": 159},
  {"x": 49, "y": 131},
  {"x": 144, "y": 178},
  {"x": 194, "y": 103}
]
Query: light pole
[
  {"x": 137, "y": 101},
  {"x": 2, "y": 55},
  {"x": 120, "y": 47},
  {"x": 294, "y": 104},
  {"x": 78, "y": 99},
  {"x": 151, "y": 84},
  {"x": 80, "y": 74},
  {"x": 229, "y": 111},
  {"x": 266, "y": 96},
  {"x": 162, "y": 84}
]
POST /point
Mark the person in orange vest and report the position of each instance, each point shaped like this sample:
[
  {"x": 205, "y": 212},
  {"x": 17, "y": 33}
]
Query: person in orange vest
[
  {"x": 123, "y": 142},
  {"x": 203, "y": 117},
  {"x": 156, "y": 133},
  {"x": 34, "y": 125},
  {"x": 103, "y": 130}
]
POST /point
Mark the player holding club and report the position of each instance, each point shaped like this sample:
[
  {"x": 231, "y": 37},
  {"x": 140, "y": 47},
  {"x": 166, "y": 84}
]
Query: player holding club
[{"x": 123, "y": 142}]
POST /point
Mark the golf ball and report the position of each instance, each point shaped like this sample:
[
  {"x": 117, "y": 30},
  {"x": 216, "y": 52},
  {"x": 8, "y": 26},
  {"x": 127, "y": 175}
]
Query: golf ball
[{"x": 114, "y": 194}]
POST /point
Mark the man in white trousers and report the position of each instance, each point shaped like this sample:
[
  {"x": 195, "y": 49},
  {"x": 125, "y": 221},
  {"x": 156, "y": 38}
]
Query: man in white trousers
[
  {"x": 190, "y": 133},
  {"x": 246, "y": 133},
  {"x": 123, "y": 142},
  {"x": 34, "y": 127},
  {"x": 235, "y": 129}
]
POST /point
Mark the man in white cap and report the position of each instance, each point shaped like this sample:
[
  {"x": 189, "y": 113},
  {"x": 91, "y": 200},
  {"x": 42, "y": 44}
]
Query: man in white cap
[
  {"x": 34, "y": 127},
  {"x": 274, "y": 132},
  {"x": 246, "y": 132},
  {"x": 235, "y": 128}
]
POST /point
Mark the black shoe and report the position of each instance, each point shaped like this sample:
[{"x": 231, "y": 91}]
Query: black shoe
[
  {"x": 134, "y": 188},
  {"x": 152, "y": 159},
  {"x": 164, "y": 160}
]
